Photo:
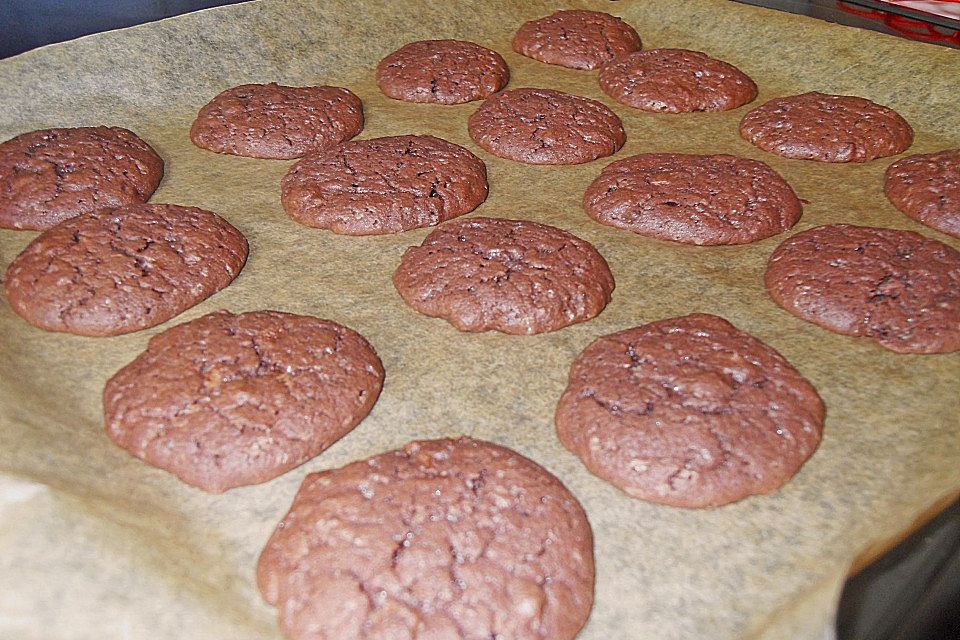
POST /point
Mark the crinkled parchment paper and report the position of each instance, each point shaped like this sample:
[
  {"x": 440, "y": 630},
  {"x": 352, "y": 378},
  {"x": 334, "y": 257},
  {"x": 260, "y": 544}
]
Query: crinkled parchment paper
[{"x": 95, "y": 544}]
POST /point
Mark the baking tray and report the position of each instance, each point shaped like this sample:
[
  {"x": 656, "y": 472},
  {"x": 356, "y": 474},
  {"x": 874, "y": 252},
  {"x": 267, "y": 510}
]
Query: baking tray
[{"x": 96, "y": 544}]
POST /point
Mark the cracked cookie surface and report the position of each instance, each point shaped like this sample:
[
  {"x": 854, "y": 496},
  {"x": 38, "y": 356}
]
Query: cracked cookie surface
[
  {"x": 689, "y": 412},
  {"x": 576, "y": 39},
  {"x": 50, "y": 175},
  {"x": 384, "y": 185},
  {"x": 542, "y": 126},
  {"x": 456, "y": 539},
  {"x": 895, "y": 287},
  {"x": 277, "y": 122},
  {"x": 926, "y": 187},
  {"x": 512, "y": 276},
  {"x": 442, "y": 72},
  {"x": 114, "y": 271},
  {"x": 676, "y": 81},
  {"x": 228, "y": 400},
  {"x": 696, "y": 199},
  {"x": 827, "y": 128}
]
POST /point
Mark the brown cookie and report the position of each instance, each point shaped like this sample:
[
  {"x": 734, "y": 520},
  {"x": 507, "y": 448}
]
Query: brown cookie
[
  {"x": 576, "y": 39},
  {"x": 817, "y": 126},
  {"x": 50, "y": 175},
  {"x": 542, "y": 126},
  {"x": 114, "y": 271},
  {"x": 274, "y": 121},
  {"x": 229, "y": 400},
  {"x": 676, "y": 81},
  {"x": 704, "y": 200},
  {"x": 442, "y": 72},
  {"x": 384, "y": 185},
  {"x": 442, "y": 539},
  {"x": 690, "y": 412},
  {"x": 512, "y": 276},
  {"x": 896, "y": 287},
  {"x": 926, "y": 187}
]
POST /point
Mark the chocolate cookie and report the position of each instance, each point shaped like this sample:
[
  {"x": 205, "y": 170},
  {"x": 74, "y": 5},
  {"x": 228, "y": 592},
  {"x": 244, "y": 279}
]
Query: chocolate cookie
[
  {"x": 442, "y": 72},
  {"x": 576, "y": 39},
  {"x": 926, "y": 187},
  {"x": 690, "y": 412},
  {"x": 816, "y": 126},
  {"x": 384, "y": 185},
  {"x": 274, "y": 121},
  {"x": 676, "y": 81},
  {"x": 454, "y": 539},
  {"x": 541, "y": 126},
  {"x": 50, "y": 175},
  {"x": 228, "y": 400},
  {"x": 896, "y": 287},
  {"x": 114, "y": 271},
  {"x": 512, "y": 276},
  {"x": 704, "y": 200}
]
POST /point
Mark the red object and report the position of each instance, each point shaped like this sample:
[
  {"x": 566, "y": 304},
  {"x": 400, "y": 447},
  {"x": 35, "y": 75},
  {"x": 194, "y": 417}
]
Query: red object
[{"x": 907, "y": 27}]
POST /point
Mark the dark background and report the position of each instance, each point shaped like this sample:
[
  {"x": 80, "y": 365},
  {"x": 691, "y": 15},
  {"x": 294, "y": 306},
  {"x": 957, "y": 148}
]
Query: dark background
[{"x": 28, "y": 24}]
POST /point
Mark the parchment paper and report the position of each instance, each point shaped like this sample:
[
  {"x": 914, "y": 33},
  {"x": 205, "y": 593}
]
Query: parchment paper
[{"x": 95, "y": 544}]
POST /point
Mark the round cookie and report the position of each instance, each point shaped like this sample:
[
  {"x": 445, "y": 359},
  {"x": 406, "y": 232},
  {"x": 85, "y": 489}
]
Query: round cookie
[
  {"x": 926, "y": 187},
  {"x": 703, "y": 200},
  {"x": 114, "y": 271},
  {"x": 442, "y": 72},
  {"x": 676, "y": 81},
  {"x": 817, "y": 126},
  {"x": 896, "y": 287},
  {"x": 576, "y": 39},
  {"x": 277, "y": 122},
  {"x": 50, "y": 175},
  {"x": 542, "y": 126},
  {"x": 229, "y": 400},
  {"x": 512, "y": 276},
  {"x": 384, "y": 185},
  {"x": 454, "y": 539},
  {"x": 689, "y": 412}
]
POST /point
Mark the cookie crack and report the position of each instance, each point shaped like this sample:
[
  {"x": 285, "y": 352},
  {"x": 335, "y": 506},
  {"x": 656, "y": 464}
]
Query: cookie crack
[{"x": 617, "y": 408}]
